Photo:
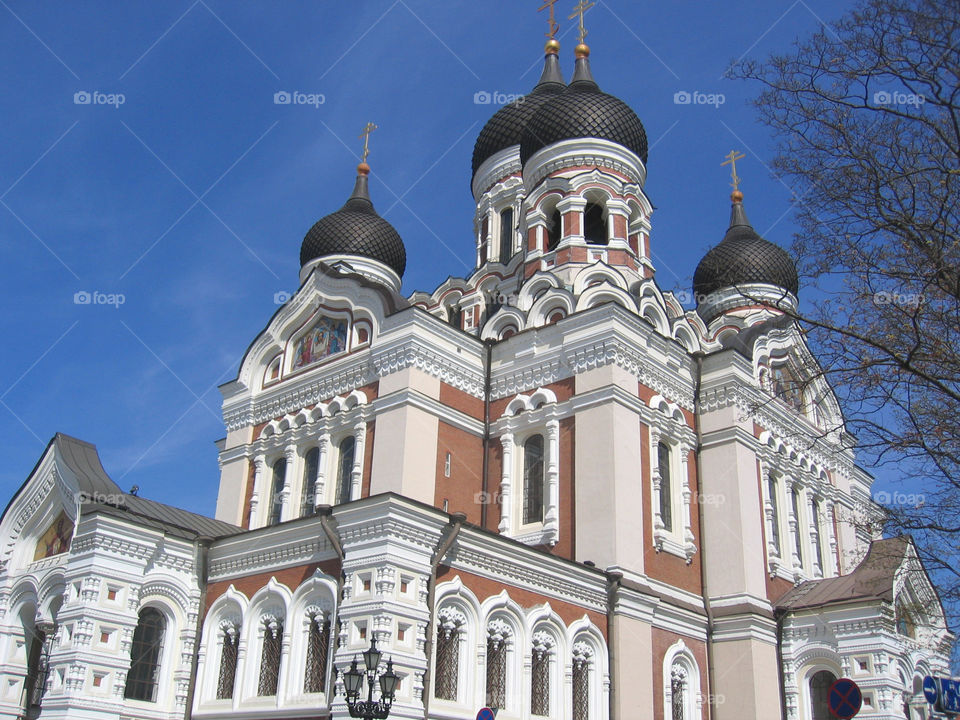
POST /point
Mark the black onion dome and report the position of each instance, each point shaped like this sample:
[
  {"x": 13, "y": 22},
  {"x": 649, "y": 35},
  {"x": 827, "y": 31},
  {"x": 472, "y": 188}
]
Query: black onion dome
[
  {"x": 356, "y": 229},
  {"x": 584, "y": 111},
  {"x": 505, "y": 128},
  {"x": 744, "y": 257}
]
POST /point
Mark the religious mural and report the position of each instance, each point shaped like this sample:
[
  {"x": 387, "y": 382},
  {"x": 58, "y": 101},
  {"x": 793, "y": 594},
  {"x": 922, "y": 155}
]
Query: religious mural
[
  {"x": 327, "y": 337},
  {"x": 56, "y": 539}
]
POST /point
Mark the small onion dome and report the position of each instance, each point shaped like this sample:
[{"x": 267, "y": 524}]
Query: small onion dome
[
  {"x": 505, "y": 128},
  {"x": 584, "y": 111},
  {"x": 356, "y": 229},
  {"x": 743, "y": 257}
]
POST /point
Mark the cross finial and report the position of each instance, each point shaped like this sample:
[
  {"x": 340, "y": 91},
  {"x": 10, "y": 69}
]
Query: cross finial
[
  {"x": 731, "y": 160},
  {"x": 365, "y": 136},
  {"x": 552, "y": 34},
  {"x": 580, "y": 10}
]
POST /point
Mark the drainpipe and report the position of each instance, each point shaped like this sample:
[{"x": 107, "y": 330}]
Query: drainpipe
[
  {"x": 613, "y": 587},
  {"x": 447, "y": 538},
  {"x": 703, "y": 561},
  {"x": 325, "y": 512},
  {"x": 201, "y": 562},
  {"x": 488, "y": 352}
]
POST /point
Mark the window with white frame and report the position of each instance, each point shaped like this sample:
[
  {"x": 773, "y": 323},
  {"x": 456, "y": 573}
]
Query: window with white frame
[
  {"x": 271, "y": 631},
  {"x": 450, "y": 626},
  {"x": 773, "y": 513},
  {"x": 541, "y": 659},
  {"x": 681, "y": 684},
  {"x": 816, "y": 517},
  {"x": 229, "y": 643},
  {"x": 499, "y": 638},
  {"x": 277, "y": 484},
  {"x": 146, "y": 652},
  {"x": 533, "y": 479},
  {"x": 308, "y": 493},
  {"x": 318, "y": 646},
  {"x": 345, "y": 460},
  {"x": 582, "y": 661},
  {"x": 670, "y": 488},
  {"x": 665, "y": 481},
  {"x": 796, "y": 526}
]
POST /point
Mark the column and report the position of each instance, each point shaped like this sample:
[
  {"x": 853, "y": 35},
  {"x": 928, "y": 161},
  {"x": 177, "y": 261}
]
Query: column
[
  {"x": 655, "y": 478},
  {"x": 259, "y": 463},
  {"x": 356, "y": 475},
  {"x": 506, "y": 440},
  {"x": 290, "y": 455},
  {"x": 320, "y": 482},
  {"x": 551, "y": 518},
  {"x": 689, "y": 546}
]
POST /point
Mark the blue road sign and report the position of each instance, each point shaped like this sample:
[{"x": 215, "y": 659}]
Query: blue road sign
[
  {"x": 949, "y": 695},
  {"x": 930, "y": 691},
  {"x": 486, "y": 714},
  {"x": 844, "y": 698}
]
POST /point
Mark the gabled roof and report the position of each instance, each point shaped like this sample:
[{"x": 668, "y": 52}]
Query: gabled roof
[
  {"x": 98, "y": 492},
  {"x": 872, "y": 579}
]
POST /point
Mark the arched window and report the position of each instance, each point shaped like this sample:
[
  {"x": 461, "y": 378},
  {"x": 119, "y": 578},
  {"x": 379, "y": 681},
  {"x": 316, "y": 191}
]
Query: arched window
[
  {"x": 145, "y": 653},
  {"x": 272, "y": 628},
  {"x": 775, "y": 513},
  {"x": 540, "y": 674},
  {"x": 498, "y": 633},
  {"x": 817, "y": 544},
  {"x": 345, "y": 469},
  {"x": 905, "y": 624},
  {"x": 318, "y": 643},
  {"x": 582, "y": 656},
  {"x": 681, "y": 684},
  {"x": 276, "y": 490},
  {"x": 308, "y": 495},
  {"x": 230, "y": 637},
  {"x": 666, "y": 486},
  {"x": 554, "y": 230},
  {"x": 820, "y": 684},
  {"x": 506, "y": 235},
  {"x": 594, "y": 225},
  {"x": 679, "y": 687},
  {"x": 533, "y": 479},
  {"x": 450, "y": 622},
  {"x": 797, "y": 543}
]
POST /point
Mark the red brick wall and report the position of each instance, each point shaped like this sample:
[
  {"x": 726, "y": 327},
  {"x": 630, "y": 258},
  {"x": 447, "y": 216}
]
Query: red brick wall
[
  {"x": 291, "y": 577},
  {"x": 466, "y": 471},
  {"x": 663, "y": 639}
]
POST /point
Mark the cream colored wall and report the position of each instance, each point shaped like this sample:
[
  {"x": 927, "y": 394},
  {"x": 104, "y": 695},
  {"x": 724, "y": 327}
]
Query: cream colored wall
[
  {"x": 746, "y": 679},
  {"x": 405, "y": 442},
  {"x": 608, "y": 476},
  {"x": 233, "y": 480},
  {"x": 631, "y": 673}
]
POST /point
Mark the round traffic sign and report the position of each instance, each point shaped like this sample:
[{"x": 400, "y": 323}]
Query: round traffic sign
[
  {"x": 844, "y": 698},
  {"x": 486, "y": 714},
  {"x": 930, "y": 690}
]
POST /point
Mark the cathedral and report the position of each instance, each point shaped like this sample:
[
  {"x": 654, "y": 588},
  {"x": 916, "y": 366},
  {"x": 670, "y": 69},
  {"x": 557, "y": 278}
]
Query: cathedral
[{"x": 546, "y": 488}]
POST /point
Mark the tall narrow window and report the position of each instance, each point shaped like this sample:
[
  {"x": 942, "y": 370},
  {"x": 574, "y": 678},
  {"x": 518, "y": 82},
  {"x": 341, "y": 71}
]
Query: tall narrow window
[
  {"x": 775, "y": 513},
  {"x": 318, "y": 642},
  {"x": 581, "y": 683},
  {"x": 456, "y": 316},
  {"x": 540, "y": 679},
  {"x": 345, "y": 470},
  {"x": 145, "y": 653},
  {"x": 817, "y": 544},
  {"x": 533, "y": 479},
  {"x": 554, "y": 230},
  {"x": 666, "y": 489},
  {"x": 448, "y": 655},
  {"x": 308, "y": 495},
  {"x": 228, "y": 661},
  {"x": 276, "y": 492},
  {"x": 506, "y": 235},
  {"x": 797, "y": 543},
  {"x": 678, "y": 693},
  {"x": 497, "y": 634},
  {"x": 37, "y": 668},
  {"x": 820, "y": 695},
  {"x": 595, "y": 225},
  {"x": 270, "y": 656}
]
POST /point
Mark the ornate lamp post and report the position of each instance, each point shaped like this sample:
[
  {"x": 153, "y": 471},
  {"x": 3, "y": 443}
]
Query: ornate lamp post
[{"x": 353, "y": 682}]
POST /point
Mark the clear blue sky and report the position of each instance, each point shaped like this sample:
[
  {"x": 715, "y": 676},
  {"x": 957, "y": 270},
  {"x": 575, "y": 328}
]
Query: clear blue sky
[{"x": 191, "y": 197}]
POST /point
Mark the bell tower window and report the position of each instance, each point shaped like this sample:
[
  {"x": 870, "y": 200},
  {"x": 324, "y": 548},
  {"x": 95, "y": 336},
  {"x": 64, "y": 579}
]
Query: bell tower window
[
  {"x": 595, "y": 225},
  {"x": 554, "y": 230},
  {"x": 506, "y": 235}
]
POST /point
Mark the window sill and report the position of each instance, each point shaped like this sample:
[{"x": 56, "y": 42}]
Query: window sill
[{"x": 672, "y": 545}]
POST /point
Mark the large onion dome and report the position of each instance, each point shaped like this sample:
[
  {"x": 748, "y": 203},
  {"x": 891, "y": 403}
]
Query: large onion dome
[
  {"x": 584, "y": 111},
  {"x": 742, "y": 258},
  {"x": 505, "y": 128},
  {"x": 356, "y": 229}
]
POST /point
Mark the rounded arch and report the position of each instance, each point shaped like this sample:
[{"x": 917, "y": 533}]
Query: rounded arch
[
  {"x": 457, "y": 610},
  {"x": 549, "y": 303},
  {"x": 534, "y": 288},
  {"x": 312, "y": 616},
  {"x": 503, "y": 632},
  {"x": 681, "y": 682},
  {"x": 599, "y": 294},
  {"x": 227, "y": 614},
  {"x": 683, "y": 334},
  {"x": 651, "y": 311},
  {"x": 598, "y": 272},
  {"x": 505, "y": 317}
]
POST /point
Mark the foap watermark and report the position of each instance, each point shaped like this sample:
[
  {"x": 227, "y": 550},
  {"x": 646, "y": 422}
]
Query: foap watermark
[
  {"x": 910, "y": 300},
  {"x": 695, "y": 97},
  {"x": 95, "y": 297},
  {"x": 100, "y": 498},
  {"x": 900, "y": 499},
  {"x": 295, "y": 97},
  {"x": 95, "y": 97},
  {"x": 484, "y": 97},
  {"x": 282, "y": 297},
  {"x": 883, "y": 97},
  {"x": 486, "y": 498},
  {"x": 711, "y": 499}
]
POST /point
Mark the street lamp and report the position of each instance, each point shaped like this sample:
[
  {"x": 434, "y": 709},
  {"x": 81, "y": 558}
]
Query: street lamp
[{"x": 353, "y": 683}]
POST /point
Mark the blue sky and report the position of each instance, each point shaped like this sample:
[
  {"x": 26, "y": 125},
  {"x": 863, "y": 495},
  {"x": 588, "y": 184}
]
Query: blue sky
[{"x": 190, "y": 198}]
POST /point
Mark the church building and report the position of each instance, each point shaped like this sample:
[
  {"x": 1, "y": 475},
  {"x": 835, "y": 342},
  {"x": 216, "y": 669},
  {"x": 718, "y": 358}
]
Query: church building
[{"x": 546, "y": 488}]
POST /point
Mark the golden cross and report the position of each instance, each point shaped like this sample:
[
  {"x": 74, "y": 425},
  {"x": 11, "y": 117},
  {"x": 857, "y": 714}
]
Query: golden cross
[
  {"x": 553, "y": 22},
  {"x": 365, "y": 135},
  {"x": 732, "y": 158},
  {"x": 580, "y": 9}
]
